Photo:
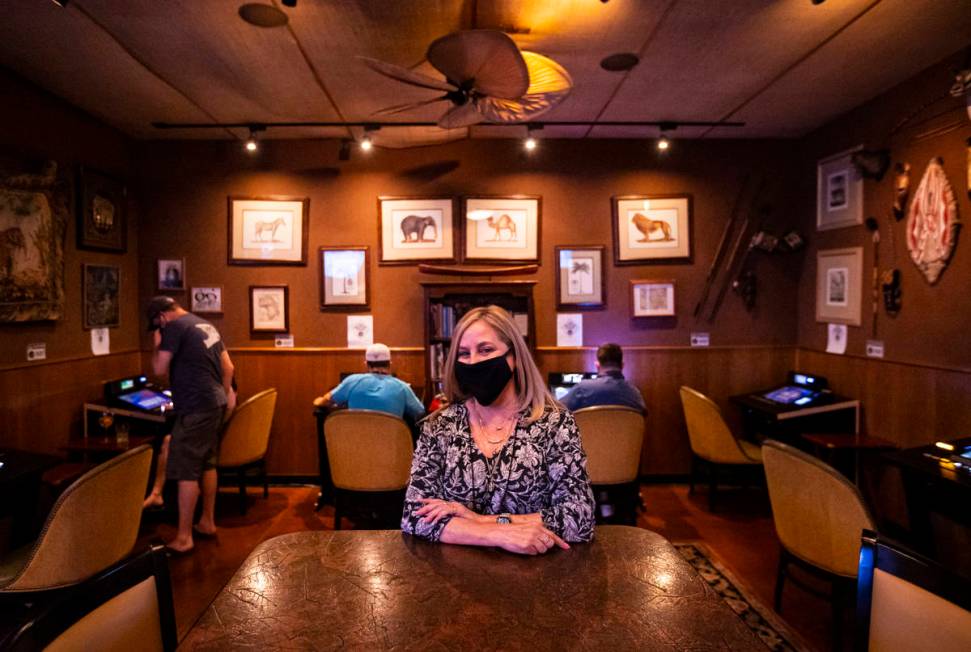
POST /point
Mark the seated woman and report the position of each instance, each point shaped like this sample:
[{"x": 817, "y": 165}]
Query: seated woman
[{"x": 502, "y": 465}]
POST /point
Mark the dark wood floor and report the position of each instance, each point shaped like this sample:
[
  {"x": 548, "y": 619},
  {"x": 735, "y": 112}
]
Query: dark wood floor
[{"x": 740, "y": 534}]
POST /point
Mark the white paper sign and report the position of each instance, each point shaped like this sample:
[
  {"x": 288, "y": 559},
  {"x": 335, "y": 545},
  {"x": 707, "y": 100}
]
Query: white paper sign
[
  {"x": 837, "y": 339},
  {"x": 360, "y": 331},
  {"x": 100, "y": 341},
  {"x": 569, "y": 329},
  {"x": 874, "y": 349},
  {"x": 283, "y": 341},
  {"x": 36, "y": 351},
  {"x": 699, "y": 339}
]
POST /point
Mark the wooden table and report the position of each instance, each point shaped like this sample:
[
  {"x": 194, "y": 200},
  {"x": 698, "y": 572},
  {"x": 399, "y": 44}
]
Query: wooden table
[{"x": 381, "y": 589}]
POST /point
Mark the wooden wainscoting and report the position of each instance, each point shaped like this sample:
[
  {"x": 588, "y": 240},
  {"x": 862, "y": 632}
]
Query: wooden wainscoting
[
  {"x": 909, "y": 404},
  {"x": 41, "y": 403}
]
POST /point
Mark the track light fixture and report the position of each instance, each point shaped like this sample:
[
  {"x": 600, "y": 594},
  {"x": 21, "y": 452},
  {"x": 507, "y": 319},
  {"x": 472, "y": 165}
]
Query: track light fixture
[
  {"x": 367, "y": 142},
  {"x": 252, "y": 144},
  {"x": 530, "y": 143},
  {"x": 664, "y": 142}
]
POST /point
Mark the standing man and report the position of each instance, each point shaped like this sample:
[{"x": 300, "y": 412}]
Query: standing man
[
  {"x": 190, "y": 350},
  {"x": 609, "y": 387},
  {"x": 377, "y": 389}
]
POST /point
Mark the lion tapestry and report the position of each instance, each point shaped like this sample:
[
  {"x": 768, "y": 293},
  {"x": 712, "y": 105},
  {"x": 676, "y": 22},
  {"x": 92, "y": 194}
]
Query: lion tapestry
[{"x": 33, "y": 217}]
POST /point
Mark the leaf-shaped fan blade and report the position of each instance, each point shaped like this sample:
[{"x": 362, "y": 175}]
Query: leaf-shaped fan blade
[
  {"x": 549, "y": 84},
  {"x": 460, "y": 116},
  {"x": 401, "y": 137},
  {"x": 401, "y": 108},
  {"x": 407, "y": 76},
  {"x": 488, "y": 57}
]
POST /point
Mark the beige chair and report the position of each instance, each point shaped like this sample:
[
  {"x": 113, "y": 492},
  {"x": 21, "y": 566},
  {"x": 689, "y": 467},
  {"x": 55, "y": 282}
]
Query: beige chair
[
  {"x": 712, "y": 443},
  {"x": 369, "y": 453},
  {"x": 245, "y": 439},
  {"x": 907, "y": 602},
  {"x": 126, "y": 607},
  {"x": 612, "y": 437},
  {"x": 93, "y": 524},
  {"x": 819, "y": 517}
]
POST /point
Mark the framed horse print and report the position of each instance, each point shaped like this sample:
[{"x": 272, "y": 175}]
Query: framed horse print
[{"x": 268, "y": 230}]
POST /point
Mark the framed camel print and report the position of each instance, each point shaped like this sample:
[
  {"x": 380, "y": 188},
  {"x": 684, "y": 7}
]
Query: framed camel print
[
  {"x": 501, "y": 229},
  {"x": 268, "y": 230},
  {"x": 416, "y": 230},
  {"x": 652, "y": 229}
]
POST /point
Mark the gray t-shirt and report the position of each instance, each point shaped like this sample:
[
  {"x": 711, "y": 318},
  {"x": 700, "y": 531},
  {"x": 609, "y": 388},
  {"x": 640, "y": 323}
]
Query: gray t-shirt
[{"x": 196, "y": 368}]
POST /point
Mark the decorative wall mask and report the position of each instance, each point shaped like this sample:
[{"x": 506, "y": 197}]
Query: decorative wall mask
[
  {"x": 932, "y": 222},
  {"x": 901, "y": 189},
  {"x": 33, "y": 218}
]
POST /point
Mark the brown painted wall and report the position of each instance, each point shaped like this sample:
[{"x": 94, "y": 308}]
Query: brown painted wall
[
  {"x": 187, "y": 183},
  {"x": 40, "y": 402}
]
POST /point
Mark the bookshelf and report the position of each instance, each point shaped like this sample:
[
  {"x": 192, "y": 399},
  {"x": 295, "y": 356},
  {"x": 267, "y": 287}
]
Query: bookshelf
[{"x": 446, "y": 303}]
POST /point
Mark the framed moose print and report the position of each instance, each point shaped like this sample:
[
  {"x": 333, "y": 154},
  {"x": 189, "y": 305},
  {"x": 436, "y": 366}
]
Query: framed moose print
[
  {"x": 580, "y": 280},
  {"x": 101, "y": 212},
  {"x": 839, "y": 192},
  {"x": 502, "y": 229},
  {"x": 416, "y": 229},
  {"x": 344, "y": 277},
  {"x": 652, "y": 229},
  {"x": 839, "y": 284},
  {"x": 652, "y": 298},
  {"x": 268, "y": 230},
  {"x": 269, "y": 308}
]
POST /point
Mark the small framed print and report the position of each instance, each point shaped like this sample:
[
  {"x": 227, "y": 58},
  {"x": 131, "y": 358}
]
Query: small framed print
[
  {"x": 171, "y": 274},
  {"x": 344, "y": 279},
  {"x": 652, "y": 229},
  {"x": 207, "y": 300},
  {"x": 839, "y": 285},
  {"x": 652, "y": 298},
  {"x": 100, "y": 290},
  {"x": 580, "y": 278},
  {"x": 839, "y": 192},
  {"x": 416, "y": 230},
  {"x": 268, "y": 230},
  {"x": 101, "y": 212},
  {"x": 269, "y": 308},
  {"x": 501, "y": 229}
]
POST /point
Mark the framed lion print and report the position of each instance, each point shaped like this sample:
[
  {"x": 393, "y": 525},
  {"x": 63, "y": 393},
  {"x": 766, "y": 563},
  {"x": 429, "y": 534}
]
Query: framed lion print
[{"x": 651, "y": 229}]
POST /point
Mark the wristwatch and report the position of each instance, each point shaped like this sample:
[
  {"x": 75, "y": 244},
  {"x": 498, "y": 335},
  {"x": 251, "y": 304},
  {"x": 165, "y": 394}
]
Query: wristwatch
[{"x": 504, "y": 519}]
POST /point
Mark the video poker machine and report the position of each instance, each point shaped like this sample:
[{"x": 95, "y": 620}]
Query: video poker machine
[
  {"x": 802, "y": 404},
  {"x": 145, "y": 407}
]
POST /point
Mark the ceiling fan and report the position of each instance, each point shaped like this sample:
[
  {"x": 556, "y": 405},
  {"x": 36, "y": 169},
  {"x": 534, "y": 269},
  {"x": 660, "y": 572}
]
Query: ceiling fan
[{"x": 487, "y": 79}]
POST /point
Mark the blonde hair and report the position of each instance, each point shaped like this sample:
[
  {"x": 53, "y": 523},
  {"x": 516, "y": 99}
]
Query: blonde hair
[{"x": 531, "y": 390}]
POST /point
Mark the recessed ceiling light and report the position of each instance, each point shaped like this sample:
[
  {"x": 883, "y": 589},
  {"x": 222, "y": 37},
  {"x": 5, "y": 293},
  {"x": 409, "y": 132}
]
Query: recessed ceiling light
[
  {"x": 262, "y": 15},
  {"x": 620, "y": 62}
]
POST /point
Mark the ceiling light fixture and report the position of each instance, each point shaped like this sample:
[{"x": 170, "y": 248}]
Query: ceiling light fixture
[
  {"x": 367, "y": 143},
  {"x": 530, "y": 143},
  {"x": 664, "y": 142},
  {"x": 262, "y": 15},
  {"x": 620, "y": 62},
  {"x": 60, "y": 3},
  {"x": 252, "y": 145}
]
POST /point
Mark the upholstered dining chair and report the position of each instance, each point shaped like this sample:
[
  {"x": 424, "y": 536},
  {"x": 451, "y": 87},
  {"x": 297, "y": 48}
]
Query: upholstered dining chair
[
  {"x": 369, "y": 453},
  {"x": 612, "y": 437},
  {"x": 126, "y": 607},
  {"x": 712, "y": 442},
  {"x": 907, "y": 602},
  {"x": 245, "y": 440},
  {"x": 819, "y": 517},
  {"x": 93, "y": 524}
]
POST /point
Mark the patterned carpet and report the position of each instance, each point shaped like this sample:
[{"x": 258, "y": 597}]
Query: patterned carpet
[{"x": 770, "y": 629}]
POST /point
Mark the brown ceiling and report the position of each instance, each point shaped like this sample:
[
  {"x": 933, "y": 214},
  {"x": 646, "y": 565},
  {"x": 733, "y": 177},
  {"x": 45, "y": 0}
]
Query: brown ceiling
[{"x": 784, "y": 67}]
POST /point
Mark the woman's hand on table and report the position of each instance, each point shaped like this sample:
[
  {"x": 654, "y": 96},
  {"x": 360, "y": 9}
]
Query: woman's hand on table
[
  {"x": 435, "y": 508},
  {"x": 528, "y": 538}
]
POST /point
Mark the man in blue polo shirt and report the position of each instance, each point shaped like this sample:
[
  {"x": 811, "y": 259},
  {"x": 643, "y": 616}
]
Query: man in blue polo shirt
[
  {"x": 609, "y": 387},
  {"x": 377, "y": 389}
]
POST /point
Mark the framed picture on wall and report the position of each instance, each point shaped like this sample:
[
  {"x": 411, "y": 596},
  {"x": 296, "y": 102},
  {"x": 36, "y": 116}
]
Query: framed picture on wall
[
  {"x": 100, "y": 291},
  {"x": 652, "y": 299},
  {"x": 651, "y": 229},
  {"x": 580, "y": 280},
  {"x": 501, "y": 229},
  {"x": 344, "y": 281},
  {"x": 268, "y": 230},
  {"x": 839, "y": 285},
  {"x": 269, "y": 308},
  {"x": 171, "y": 274},
  {"x": 413, "y": 230},
  {"x": 207, "y": 300},
  {"x": 101, "y": 212},
  {"x": 839, "y": 192}
]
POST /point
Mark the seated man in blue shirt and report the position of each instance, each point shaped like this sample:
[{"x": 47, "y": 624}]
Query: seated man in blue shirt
[
  {"x": 609, "y": 387},
  {"x": 377, "y": 389}
]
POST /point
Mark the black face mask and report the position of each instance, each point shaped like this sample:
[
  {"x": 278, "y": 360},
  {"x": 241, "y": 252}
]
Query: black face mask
[{"x": 484, "y": 380}]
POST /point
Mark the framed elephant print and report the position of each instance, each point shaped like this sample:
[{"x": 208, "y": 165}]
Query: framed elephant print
[
  {"x": 268, "y": 230},
  {"x": 416, "y": 230}
]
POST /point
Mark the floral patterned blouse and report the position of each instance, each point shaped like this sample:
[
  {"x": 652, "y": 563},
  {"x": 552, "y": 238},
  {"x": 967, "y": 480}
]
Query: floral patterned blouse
[{"x": 541, "y": 468}]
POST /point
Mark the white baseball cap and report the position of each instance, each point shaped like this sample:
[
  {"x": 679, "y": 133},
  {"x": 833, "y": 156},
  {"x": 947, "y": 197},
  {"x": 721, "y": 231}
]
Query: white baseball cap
[{"x": 378, "y": 353}]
